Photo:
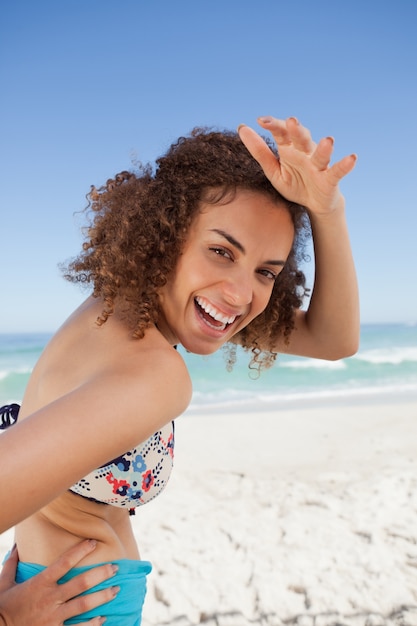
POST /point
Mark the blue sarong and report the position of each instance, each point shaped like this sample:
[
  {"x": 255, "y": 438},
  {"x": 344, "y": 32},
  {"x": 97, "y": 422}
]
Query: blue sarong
[{"x": 125, "y": 608}]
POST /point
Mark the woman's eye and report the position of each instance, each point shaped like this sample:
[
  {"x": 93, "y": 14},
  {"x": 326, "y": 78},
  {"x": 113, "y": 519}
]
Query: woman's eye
[
  {"x": 221, "y": 252},
  {"x": 268, "y": 274}
]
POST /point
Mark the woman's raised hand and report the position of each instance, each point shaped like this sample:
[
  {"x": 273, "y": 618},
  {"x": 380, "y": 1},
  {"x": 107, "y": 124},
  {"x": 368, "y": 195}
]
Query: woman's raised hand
[{"x": 303, "y": 173}]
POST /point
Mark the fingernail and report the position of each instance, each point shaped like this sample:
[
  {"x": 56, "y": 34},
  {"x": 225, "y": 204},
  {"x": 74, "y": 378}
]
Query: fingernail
[
  {"x": 265, "y": 119},
  {"x": 240, "y": 126},
  {"x": 102, "y": 620},
  {"x": 294, "y": 119},
  {"x": 115, "y": 590},
  {"x": 115, "y": 569},
  {"x": 92, "y": 543}
]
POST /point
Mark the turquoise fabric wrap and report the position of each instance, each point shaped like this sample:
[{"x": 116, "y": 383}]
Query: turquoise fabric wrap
[{"x": 125, "y": 608}]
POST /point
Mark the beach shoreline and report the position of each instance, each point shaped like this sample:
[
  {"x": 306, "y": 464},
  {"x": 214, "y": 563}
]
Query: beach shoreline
[
  {"x": 303, "y": 516},
  {"x": 326, "y": 400}
]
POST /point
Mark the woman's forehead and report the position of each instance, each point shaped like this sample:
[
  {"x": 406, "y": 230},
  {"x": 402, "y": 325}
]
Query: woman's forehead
[{"x": 249, "y": 217}]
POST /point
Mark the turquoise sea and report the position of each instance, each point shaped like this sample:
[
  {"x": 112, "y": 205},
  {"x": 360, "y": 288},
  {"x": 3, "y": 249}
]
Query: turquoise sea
[{"x": 384, "y": 368}]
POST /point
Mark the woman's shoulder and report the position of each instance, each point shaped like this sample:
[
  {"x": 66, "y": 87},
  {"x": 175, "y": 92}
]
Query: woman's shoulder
[
  {"x": 82, "y": 354},
  {"x": 147, "y": 383},
  {"x": 146, "y": 370},
  {"x": 155, "y": 360}
]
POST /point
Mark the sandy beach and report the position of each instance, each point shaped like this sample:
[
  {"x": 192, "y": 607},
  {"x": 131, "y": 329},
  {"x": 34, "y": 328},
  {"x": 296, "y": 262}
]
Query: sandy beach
[{"x": 303, "y": 516}]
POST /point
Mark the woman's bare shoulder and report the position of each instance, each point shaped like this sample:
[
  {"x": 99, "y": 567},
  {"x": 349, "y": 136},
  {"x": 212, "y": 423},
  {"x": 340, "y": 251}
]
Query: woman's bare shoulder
[
  {"x": 134, "y": 388},
  {"x": 161, "y": 368}
]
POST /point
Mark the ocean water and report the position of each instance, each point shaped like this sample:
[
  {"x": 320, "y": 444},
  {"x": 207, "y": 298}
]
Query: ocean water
[{"x": 385, "y": 367}]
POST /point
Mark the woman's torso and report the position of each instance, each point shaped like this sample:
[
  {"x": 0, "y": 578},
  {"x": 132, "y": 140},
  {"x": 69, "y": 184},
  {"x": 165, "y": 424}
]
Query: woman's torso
[{"x": 76, "y": 352}]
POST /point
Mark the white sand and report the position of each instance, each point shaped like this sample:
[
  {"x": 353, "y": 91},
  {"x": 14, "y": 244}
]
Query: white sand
[{"x": 304, "y": 517}]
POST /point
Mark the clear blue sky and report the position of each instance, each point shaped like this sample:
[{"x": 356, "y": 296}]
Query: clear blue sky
[{"x": 87, "y": 85}]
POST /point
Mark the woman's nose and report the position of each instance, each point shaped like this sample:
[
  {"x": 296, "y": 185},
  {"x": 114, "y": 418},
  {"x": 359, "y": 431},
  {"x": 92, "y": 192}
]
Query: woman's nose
[{"x": 238, "y": 289}]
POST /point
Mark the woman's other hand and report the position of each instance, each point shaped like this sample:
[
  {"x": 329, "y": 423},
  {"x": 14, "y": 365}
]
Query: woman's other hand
[{"x": 41, "y": 601}]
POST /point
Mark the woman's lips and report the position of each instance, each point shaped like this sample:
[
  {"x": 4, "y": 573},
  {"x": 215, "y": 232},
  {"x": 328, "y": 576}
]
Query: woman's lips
[{"x": 213, "y": 317}]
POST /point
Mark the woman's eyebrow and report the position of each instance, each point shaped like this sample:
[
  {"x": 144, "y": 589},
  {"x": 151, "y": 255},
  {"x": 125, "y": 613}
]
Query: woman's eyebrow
[{"x": 234, "y": 242}]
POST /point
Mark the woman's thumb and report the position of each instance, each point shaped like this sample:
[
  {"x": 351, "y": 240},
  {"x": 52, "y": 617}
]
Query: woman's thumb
[{"x": 8, "y": 572}]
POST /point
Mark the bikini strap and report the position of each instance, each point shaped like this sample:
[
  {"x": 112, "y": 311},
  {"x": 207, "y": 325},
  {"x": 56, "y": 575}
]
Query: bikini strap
[{"x": 8, "y": 415}]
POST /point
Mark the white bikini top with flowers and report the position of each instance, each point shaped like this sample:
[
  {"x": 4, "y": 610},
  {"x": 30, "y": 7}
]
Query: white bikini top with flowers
[{"x": 132, "y": 479}]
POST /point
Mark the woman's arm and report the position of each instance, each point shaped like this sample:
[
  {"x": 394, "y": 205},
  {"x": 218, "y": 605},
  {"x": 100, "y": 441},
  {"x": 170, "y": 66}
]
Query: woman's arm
[
  {"x": 41, "y": 601},
  {"x": 50, "y": 450},
  {"x": 329, "y": 329}
]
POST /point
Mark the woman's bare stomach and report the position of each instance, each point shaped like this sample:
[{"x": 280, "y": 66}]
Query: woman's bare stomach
[{"x": 44, "y": 536}]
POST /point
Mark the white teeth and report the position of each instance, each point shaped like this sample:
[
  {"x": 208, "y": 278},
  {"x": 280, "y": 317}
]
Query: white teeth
[{"x": 216, "y": 315}]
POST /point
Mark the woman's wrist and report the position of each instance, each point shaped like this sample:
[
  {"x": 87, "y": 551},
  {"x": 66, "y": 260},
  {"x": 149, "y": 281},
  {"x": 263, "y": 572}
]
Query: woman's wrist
[
  {"x": 326, "y": 209},
  {"x": 333, "y": 217}
]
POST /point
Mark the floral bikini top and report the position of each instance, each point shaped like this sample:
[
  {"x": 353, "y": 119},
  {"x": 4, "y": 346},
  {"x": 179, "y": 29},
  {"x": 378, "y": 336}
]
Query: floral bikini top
[{"x": 132, "y": 479}]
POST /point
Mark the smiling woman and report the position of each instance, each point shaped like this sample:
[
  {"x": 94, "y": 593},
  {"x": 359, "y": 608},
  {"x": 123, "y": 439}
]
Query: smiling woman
[
  {"x": 206, "y": 184},
  {"x": 227, "y": 270},
  {"x": 204, "y": 251}
]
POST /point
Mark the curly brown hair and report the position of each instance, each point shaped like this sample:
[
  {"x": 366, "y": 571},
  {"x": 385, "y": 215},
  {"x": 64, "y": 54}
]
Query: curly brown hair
[{"x": 140, "y": 222}]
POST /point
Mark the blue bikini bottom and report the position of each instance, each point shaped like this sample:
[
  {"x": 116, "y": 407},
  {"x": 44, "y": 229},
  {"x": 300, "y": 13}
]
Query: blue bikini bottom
[{"x": 125, "y": 608}]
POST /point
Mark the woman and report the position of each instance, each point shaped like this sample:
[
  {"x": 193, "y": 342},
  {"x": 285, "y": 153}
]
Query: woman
[
  {"x": 41, "y": 601},
  {"x": 202, "y": 252}
]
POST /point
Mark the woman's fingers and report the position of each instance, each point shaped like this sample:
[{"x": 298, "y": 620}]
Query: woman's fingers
[
  {"x": 260, "y": 151},
  {"x": 41, "y": 601},
  {"x": 88, "y": 580},
  {"x": 8, "y": 572},
  {"x": 300, "y": 136},
  {"x": 82, "y": 604},
  {"x": 68, "y": 594},
  {"x": 288, "y": 132},
  {"x": 302, "y": 173},
  {"x": 278, "y": 128},
  {"x": 323, "y": 153},
  {"x": 341, "y": 168},
  {"x": 67, "y": 561}
]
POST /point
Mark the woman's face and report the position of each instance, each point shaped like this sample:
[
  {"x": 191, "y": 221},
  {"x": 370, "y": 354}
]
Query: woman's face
[{"x": 225, "y": 275}]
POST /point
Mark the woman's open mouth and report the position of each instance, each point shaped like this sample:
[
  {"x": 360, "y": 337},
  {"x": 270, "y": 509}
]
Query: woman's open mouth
[{"x": 214, "y": 318}]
